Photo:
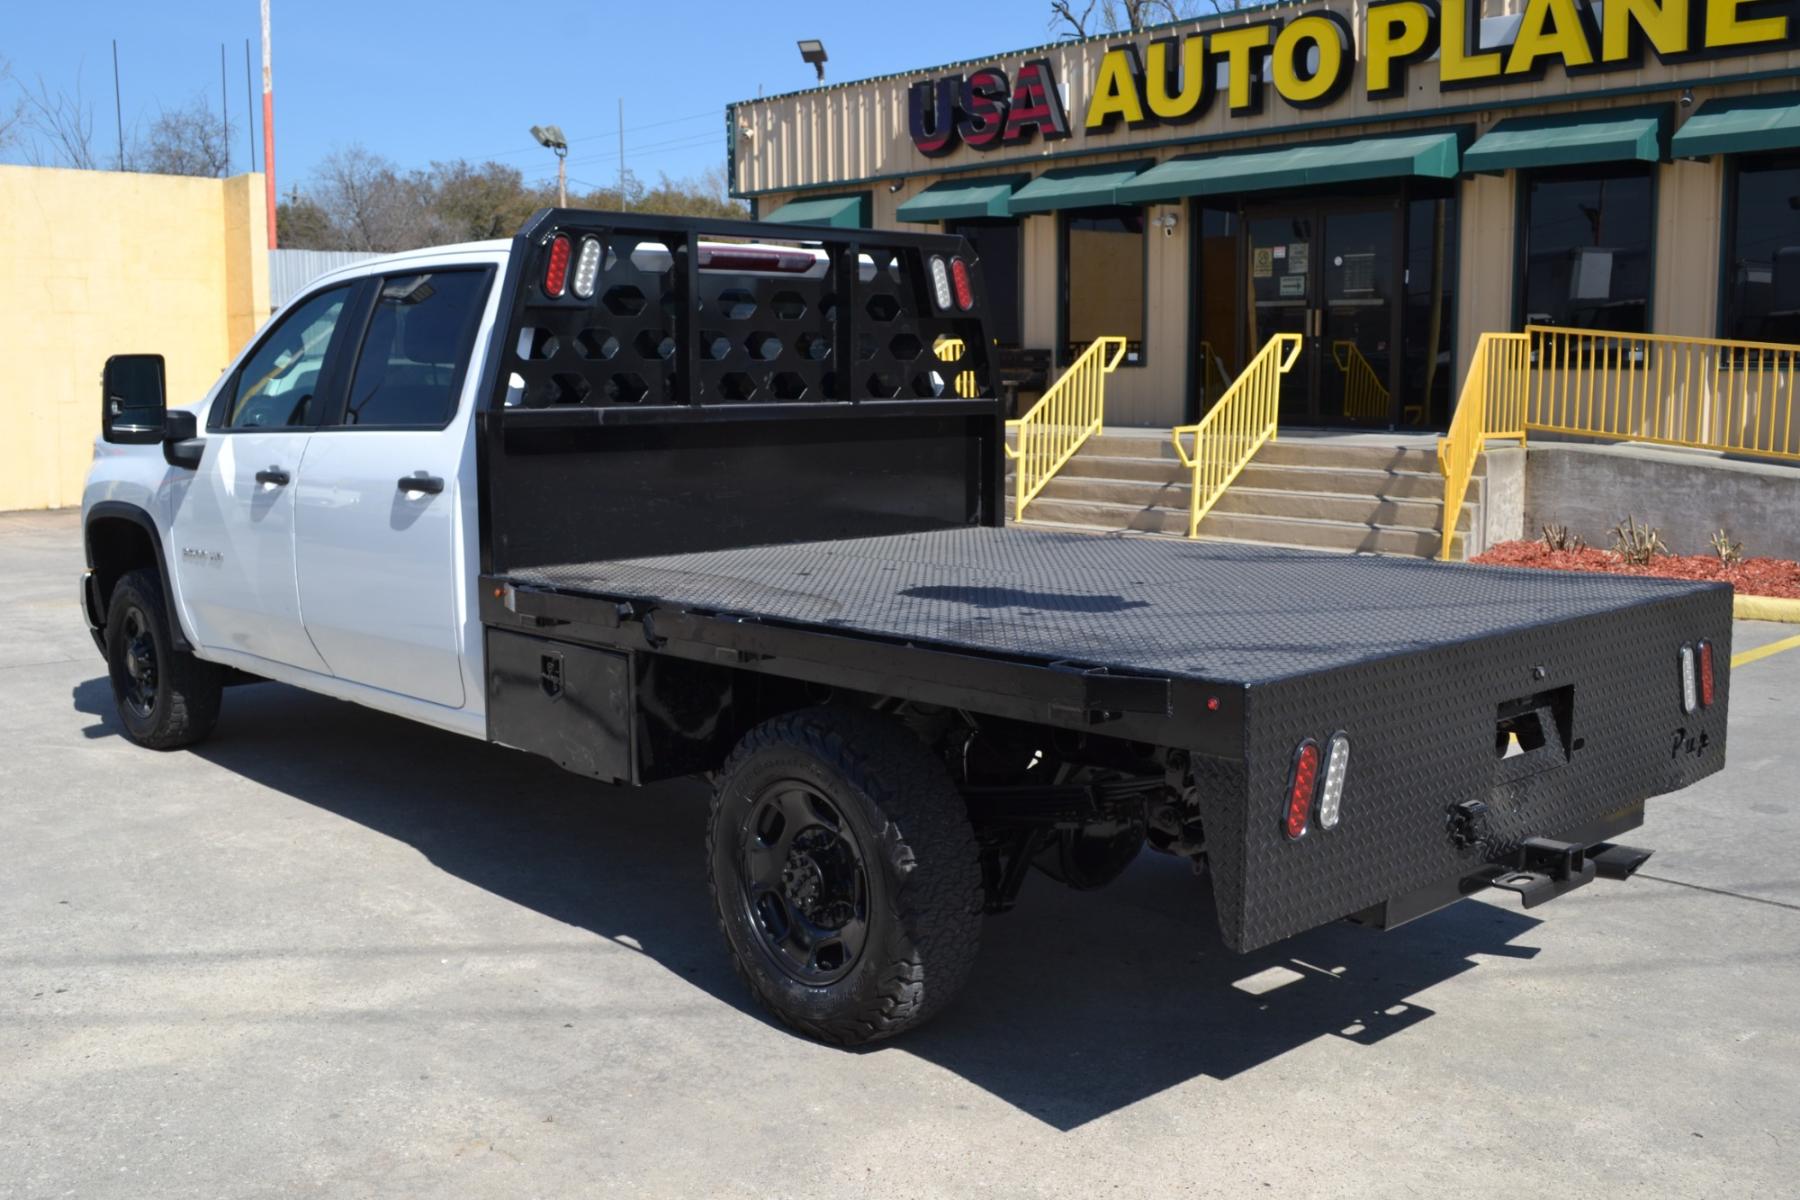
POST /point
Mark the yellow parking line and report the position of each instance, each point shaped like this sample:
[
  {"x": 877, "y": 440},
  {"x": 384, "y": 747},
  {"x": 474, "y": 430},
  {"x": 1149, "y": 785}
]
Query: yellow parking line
[{"x": 1750, "y": 656}]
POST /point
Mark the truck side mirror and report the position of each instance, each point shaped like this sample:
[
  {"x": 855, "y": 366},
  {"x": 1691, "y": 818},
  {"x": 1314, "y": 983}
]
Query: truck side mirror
[{"x": 132, "y": 401}]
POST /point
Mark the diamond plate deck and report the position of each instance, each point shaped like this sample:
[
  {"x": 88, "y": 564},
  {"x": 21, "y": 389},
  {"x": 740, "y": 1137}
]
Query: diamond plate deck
[{"x": 1219, "y": 612}]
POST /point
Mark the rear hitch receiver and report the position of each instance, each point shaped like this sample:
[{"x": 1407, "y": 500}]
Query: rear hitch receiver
[{"x": 1546, "y": 868}]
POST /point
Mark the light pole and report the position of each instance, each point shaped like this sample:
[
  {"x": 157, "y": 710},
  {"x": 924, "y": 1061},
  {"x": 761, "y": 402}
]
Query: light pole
[{"x": 551, "y": 137}]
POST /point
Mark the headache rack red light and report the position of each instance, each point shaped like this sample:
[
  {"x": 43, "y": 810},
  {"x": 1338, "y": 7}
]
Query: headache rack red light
[
  {"x": 1303, "y": 781},
  {"x": 755, "y": 258},
  {"x": 965, "y": 288},
  {"x": 556, "y": 266}
]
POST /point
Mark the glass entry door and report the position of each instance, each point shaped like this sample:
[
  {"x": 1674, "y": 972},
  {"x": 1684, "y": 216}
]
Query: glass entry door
[{"x": 1332, "y": 275}]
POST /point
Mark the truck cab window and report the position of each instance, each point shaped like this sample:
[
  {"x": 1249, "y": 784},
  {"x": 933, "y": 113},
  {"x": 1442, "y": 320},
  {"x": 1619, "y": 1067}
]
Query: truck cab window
[
  {"x": 410, "y": 366},
  {"x": 278, "y": 384}
]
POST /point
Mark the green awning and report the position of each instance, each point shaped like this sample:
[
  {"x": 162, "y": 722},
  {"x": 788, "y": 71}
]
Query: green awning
[
  {"x": 1430, "y": 154},
  {"x": 956, "y": 199},
  {"x": 1075, "y": 187},
  {"x": 843, "y": 212},
  {"x": 1608, "y": 135},
  {"x": 1740, "y": 125}
]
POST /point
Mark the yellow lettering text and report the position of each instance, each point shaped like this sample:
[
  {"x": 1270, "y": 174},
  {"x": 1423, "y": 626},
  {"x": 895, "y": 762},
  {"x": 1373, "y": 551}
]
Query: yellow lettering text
[
  {"x": 1185, "y": 103},
  {"x": 1239, "y": 48},
  {"x": 1726, "y": 27},
  {"x": 1456, "y": 64},
  {"x": 1331, "y": 38},
  {"x": 1663, "y": 22},
  {"x": 1397, "y": 33},
  {"x": 1550, "y": 28},
  {"x": 1116, "y": 92}
]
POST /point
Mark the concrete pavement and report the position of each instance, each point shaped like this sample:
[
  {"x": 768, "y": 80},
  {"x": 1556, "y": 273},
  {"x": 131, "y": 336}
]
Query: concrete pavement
[{"x": 332, "y": 953}]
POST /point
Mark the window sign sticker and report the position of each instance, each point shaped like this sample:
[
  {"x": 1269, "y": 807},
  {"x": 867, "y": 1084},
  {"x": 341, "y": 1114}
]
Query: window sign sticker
[
  {"x": 1297, "y": 257},
  {"x": 1278, "y": 251},
  {"x": 1293, "y": 285},
  {"x": 1262, "y": 262}
]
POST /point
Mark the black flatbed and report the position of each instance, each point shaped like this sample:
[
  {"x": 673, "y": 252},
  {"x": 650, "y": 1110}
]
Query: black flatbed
[{"x": 1214, "y": 611}]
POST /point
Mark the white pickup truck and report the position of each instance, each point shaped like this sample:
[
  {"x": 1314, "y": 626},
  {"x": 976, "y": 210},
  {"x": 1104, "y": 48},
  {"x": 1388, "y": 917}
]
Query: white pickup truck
[{"x": 655, "y": 497}]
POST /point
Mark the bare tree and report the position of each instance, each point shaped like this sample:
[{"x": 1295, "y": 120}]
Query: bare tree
[
  {"x": 371, "y": 204},
  {"x": 12, "y": 113},
  {"x": 61, "y": 126},
  {"x": 1076, "y": 19},
  {"x": 190, "y": 140}
]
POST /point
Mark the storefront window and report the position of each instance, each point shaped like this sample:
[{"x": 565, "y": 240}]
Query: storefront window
[
  {"x": 1762, "y": 261},
  {"x": 1586, "y": 250},
  {"x": 996, "y": 246},
  {"x": 1103, "y": 279},
  {"x": 1429, "y": 332}
]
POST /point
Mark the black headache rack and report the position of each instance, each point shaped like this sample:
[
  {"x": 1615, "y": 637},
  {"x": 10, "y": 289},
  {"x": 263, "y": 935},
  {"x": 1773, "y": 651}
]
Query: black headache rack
[{"x": 712, "y": 394}]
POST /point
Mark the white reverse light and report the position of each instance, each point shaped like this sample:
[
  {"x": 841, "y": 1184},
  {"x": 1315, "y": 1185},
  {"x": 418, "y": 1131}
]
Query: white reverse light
[
  {"x": 940, "y": 281},
  {"x": 587, "y": 268},
  {"x": 1690, "y": 687},
  {"x": 1331, "y": 791}
]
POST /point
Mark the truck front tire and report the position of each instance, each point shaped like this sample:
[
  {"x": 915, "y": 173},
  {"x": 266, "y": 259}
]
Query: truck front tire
[
  {"x": 166, "y": 698},
  {"x": 844, "y": 873}
]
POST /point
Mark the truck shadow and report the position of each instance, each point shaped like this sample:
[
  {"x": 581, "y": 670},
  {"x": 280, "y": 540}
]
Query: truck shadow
[{"x": 1080, "y": 1005}]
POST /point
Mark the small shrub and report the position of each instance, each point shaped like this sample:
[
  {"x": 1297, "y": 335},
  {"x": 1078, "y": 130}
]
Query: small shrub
[
  {"x": 1730, "y": 553},
  {"x": 1558, "y": 537},
  {"x": 1637, "y": 544}
]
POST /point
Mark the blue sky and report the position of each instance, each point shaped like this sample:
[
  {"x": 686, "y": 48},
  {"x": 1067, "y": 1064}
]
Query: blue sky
[{"x": 420, "y": 81}]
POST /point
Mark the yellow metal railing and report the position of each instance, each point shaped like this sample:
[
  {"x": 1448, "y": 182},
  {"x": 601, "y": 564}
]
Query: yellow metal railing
[
  {"x": 964, "y": 384},
  {"x": 1492, "y": 405},
  {"x": 1228, "y": 437},
  {"x": 1699, "y": 393},
  {"x": 1365, "y": 396},
  {"x": 1052, "y": 430}
]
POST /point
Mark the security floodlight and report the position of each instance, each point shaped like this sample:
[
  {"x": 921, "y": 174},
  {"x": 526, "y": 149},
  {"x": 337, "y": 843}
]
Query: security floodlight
[
  {"x": 551, "y": 138},
  {"x": 813, "y": 51}
]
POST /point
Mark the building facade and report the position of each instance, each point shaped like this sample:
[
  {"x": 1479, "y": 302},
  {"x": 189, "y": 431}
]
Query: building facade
[{"x": 1388, "y": 180}]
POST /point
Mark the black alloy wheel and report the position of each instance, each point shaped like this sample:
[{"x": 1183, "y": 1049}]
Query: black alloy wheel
[
  {"x": 844, "y": 873},
  {"x": 803, "y": 883}
]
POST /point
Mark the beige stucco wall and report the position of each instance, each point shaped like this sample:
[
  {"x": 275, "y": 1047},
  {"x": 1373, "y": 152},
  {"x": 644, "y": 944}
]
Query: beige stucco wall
[{"x": 95, "y": 263}]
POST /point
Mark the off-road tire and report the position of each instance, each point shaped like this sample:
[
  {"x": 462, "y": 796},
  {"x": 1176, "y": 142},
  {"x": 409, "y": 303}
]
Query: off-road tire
[
  {"x": 919, "y": 858},
  {"x": 185, "y": 704}
]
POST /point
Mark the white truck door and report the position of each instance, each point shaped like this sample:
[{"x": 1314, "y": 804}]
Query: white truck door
[
  {"x": 233, "y": 528},
  {"x": 380, "y": 514}
]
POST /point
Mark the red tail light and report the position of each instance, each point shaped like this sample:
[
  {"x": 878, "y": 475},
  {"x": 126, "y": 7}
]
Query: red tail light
[
  {"x": 965, "y": 288},
  {"x": 1706, "y": 675},
  {"x": 556, "y": 269},
  {"x": 1303, "y": 782}
]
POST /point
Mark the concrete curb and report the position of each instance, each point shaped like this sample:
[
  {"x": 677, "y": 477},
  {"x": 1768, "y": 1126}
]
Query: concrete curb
[{"x": 1765, "y": 608}]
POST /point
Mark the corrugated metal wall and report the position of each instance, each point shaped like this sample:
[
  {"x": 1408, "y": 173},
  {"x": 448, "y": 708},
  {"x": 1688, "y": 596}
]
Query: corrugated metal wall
[{"x": 291, "y": 270}]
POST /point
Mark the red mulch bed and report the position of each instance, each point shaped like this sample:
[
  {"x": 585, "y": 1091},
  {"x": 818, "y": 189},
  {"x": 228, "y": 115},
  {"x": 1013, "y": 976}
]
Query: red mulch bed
[{"x": 1753, "y": 577}]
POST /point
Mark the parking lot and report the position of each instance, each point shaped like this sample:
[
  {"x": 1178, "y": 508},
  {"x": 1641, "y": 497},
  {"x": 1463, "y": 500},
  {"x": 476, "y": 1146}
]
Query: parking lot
[{"x": 331, "y": 952}]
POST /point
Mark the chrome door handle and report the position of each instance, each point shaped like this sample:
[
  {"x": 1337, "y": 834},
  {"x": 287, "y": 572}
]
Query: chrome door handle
[
  {"x": 274, "y": 475},
  {"x": 431, "y": 485}
]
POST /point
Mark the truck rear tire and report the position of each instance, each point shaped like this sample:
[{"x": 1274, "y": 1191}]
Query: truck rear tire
[
  {"x": 166, "y": 698},
  {"x": 844, "y": 873}
]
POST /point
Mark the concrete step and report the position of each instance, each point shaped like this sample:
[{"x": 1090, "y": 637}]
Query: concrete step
[
  {"x": 1150, "y": 470},
  {"x": 1324, "y": 452},
  {"x": 1355, "y": 508},
  {"x": 1278, "y": 530},
  {"x": 1364, "y": 481}
]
